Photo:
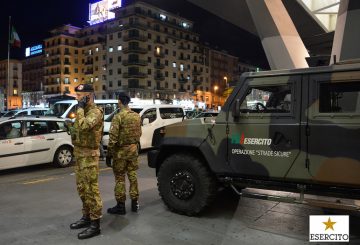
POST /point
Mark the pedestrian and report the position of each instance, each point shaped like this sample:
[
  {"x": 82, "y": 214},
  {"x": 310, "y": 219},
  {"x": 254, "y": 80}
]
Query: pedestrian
[
  {"x": 125, "y": 132},
  {"x": 86, "y": 133}
]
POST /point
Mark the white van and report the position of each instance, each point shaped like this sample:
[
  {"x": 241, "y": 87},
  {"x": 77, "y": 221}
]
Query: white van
[
  {"x": 152, "y": 117},
  {"x": 67, "y": 108}
]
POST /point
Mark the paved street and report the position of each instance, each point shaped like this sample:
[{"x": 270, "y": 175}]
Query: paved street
[{"x": 38, "y": 203}]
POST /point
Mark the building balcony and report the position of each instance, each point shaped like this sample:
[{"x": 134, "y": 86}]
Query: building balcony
[
  {"x": 67, "y": 72},
  {"x": 173, "y": 36},
  {"x": 137, "y": 50},
  {"x": 183, "y": 58},
  {"x": 67, "y": 63},
  {"x": 196, "y": 72},
  {"x": 198, "y": 61},
  {"x": 197, "y": 51},
  {"x": 135, "y": 37},
  {"x": 159, "y": 77},
  {"x": 196, "y": 82},
  {"x": 183, "y": 47},
  {"x": 135, "y": 62},
  {"x": 182, "y": 80},
  {"x": 67, "y": 53},
  {"x": 159, "y": 66},
  {"x": 182, "y": 90},
  {"x": 160, "y": 41},
  {"x": 134, "y": 75},
  {"x": 89, "y": 62},
  {"x": 88, "y": 72},
  {"x": 159, "y": 55},
  {"x": 136, "y": 25}
]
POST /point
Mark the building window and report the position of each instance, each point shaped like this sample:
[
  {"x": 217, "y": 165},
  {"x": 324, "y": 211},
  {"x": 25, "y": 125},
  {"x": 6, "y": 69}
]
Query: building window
[
  {"x": 149, "y": 84},
  {"x": 110, "y": 72},
  {"x": 96, "y": 79},
  {"x": 158, "y": 50},
  {"x": 166, "y": 85},
  {"x": 110, "y": 60},
  {"x": 174, "y": 53},
  {"x": 119, "y": 83},
  {"x": 166, "y": 51},
  {"x": 149, "y": 59},
  {"x": 149, "y": 71},
  {"x": 110, "y": 84},
  {"x": 149, "y": 35},
  {"x": 66, "y": 80},
  {"x": 174, "y": 75},
  {"x": 149, "y": 47},
  {"x": 174, "y": 85},
  {"x": 119, "y": 70},
  {"x": 119, "y": 34},
  {"x": 181, "y": 67},
  {"x": 76, "y": 51},
  {"x": 119, "y": 48},
  {"x": 111, "y": 37},
  {"x": 111, "y": 49},
  {"x": 163, "y": 17},
  {"x": 174, "y": 64},
  {"x": 166, "y": 74},
  {"x": 119, "y": 58},
  {"x": 76, "y": 70},
  {"x": 96, "y": 49}
]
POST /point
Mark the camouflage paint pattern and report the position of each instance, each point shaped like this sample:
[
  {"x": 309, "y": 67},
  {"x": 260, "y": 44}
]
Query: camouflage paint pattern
[
  {"x": 125, "y": 132},
  {"x": 87, "y": 174},
  {"x": 307, "y": 146},
  {"x": 86, "y": 134}
]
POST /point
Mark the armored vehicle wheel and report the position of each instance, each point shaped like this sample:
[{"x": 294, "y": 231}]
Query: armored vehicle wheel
[
  {"x": 185, "y": 184},
  {"x": 63, "y": 157}
]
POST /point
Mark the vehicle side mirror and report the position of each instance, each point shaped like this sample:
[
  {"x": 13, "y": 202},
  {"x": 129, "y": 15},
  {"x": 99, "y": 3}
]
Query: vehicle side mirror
[
  {"x": 146, "y": 121},
  {"x": 236, "y": 109}
]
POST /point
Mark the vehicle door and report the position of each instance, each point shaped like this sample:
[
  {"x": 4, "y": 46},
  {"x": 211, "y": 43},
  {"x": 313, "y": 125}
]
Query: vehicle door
[
  {"x": 334, "y": 128},
  {"x": 264, "y": 139},
  {"x": 148, "y": 129},
  {"x": 11, "y": 145},
  {"x": 38, "y": 141}
]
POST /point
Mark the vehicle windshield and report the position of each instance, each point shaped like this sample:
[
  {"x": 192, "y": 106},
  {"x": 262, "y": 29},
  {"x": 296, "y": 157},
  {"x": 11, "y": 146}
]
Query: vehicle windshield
[
  {"x": 10, "y": 113},
  {"x": 57, "y": 109},
  {"x": 109, "y": 119}
]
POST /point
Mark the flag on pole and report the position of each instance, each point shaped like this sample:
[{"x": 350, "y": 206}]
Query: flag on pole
[{"x": 14, "y": 38}]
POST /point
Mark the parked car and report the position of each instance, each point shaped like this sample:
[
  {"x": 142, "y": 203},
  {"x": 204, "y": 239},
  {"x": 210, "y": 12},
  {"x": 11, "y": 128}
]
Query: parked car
[
  {"x": 26, "y": 112},
  {"x": 207, "y": 114},
  {"x": 67, "y": 108},
  {"x": 28, "y": 141},
  {"x": 152, "y": 117}
]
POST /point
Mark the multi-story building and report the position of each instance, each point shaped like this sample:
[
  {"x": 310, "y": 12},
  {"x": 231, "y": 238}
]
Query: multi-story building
[
  {"x": 11, "y": 86},
  {"x": 33, "y": 80},
  {"x": 153, "y": 54},
  {"x": 224, "y": 70}
]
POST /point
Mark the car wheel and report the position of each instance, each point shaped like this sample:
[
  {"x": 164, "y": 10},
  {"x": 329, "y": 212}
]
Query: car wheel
[
  {"x": 185, "y": 184},
  {"x": 63, "y": 157}
]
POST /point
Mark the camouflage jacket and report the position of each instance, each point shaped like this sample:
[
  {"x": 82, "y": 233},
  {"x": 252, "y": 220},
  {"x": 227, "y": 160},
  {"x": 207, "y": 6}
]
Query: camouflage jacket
[
  {"x": 87, "y": 130},
  {"x": 125, "y": 131}
]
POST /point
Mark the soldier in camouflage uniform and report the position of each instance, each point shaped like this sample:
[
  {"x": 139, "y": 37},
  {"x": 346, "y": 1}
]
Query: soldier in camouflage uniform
[
  {"x": 86, "y": 134},
  {"x": 125, "y": 135}
]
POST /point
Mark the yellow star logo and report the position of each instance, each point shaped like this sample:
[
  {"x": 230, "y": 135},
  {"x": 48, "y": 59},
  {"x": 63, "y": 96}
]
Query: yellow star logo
[{"x": 329, "y": 224}]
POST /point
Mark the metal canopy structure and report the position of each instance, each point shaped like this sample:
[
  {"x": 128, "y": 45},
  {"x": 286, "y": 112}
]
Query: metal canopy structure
[{"x": 324, "y": 12}]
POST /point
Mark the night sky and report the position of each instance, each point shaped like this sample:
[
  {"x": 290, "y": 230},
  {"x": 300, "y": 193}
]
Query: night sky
[{"x": 34, "y": 19}]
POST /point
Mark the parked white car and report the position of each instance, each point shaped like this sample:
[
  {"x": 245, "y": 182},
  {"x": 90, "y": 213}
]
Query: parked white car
[
  {"x": 25, "y": 112},
  {"x": 152, "y": 117},
  {"x": 28, "y": 141},
  {"x": 67, "y": 108}
]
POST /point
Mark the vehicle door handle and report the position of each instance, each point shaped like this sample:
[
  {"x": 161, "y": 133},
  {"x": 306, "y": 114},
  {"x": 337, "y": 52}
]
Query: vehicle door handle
[
  {"x": 19, "y": 143},
  {"x": 50, "y": 139}
]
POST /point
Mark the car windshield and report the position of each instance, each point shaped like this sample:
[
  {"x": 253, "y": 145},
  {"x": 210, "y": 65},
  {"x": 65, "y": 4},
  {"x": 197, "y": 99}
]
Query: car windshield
[
  {"x": 10, "y": 113},
  {"x": 57, "y": 109},
  {"x": 109, "y": 119}
]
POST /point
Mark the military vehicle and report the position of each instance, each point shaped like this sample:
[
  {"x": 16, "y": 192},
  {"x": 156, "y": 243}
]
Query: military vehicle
[{"x": 294, "y": 130}]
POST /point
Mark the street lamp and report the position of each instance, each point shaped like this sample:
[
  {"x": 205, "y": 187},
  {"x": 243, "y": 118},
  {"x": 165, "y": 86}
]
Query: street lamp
[
  {"x": 226, "y": 81},
  {"x": 215, "y": 89}
]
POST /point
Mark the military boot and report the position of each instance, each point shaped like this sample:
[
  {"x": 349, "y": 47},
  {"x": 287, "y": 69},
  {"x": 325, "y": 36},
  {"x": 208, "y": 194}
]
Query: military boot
[
  {"x": 134, "y": 205},
  {"x": 92, "y": 231},
  {"x": 118, "y": 209},
  {"x": 81, "y": 223}
]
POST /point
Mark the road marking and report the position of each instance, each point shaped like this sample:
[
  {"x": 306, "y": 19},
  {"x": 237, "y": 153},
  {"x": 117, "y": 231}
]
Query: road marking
[{"x": 39, "y": 181}]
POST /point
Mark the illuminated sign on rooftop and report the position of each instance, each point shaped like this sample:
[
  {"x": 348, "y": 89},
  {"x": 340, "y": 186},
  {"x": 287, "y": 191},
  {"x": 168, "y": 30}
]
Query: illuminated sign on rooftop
[
  {"x": 101, "y": 11},
  {"x": 30, "y": 51}
]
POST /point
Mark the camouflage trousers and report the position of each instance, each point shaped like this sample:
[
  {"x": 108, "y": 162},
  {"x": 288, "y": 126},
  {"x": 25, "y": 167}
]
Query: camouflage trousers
[
  {"x": 87, "y": 182},
  {"x": 120, "y": 168}
]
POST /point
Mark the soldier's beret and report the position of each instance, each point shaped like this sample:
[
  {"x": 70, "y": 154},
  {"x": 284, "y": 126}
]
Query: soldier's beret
[{"x": 84, "y": 88}]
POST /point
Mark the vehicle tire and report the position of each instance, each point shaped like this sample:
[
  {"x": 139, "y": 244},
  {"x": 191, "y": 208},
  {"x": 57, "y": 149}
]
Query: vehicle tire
[
  {"x": 63, "y": 157},
  {"x": 185, "y": 184}
]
